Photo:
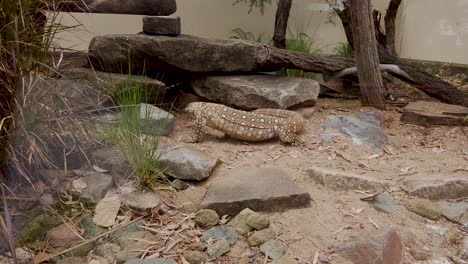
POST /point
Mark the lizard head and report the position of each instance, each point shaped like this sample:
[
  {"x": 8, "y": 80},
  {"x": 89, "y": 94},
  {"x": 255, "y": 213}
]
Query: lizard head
[{"x": 193, "y": 107}]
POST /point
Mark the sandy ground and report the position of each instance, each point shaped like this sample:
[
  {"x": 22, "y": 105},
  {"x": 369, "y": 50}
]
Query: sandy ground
[{"x": 336, "y": 216}]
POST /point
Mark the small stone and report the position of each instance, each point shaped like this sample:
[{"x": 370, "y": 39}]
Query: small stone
[
  {"x": 97, "y": 185},
  {"x": 90, "y": 228},
  {"x": 195, "y": 257},
  {"x": 384, "y": 202},
  {"x": 180, "y": 185},
  {"x": 150, "y": 261},
  {"x": 72, "y": 260},
  {"x": 382, "y": 248},
  {"x": 343, "y": 180},
  {"x": 456, "y": 212},
  {"x": 437, "y": 186},
  {"x": 185, "y": 162},
  {"x": 218, "y": 248},
  {"x": 221, "y": 232},
  {"x": 258, "y": 221},
  {"x": 162, "y": 25},
  {"x": 63, "y": 235},
  {"x": 424, "y": 208},
  {"x": 260, "y": 237},
  {"x": 197, "y": 246},
  {"x": 285, "y": 259},
  {"x": 24, "y": 256},
  {"x": 239, "y": 222},
  {"x": 273, "y": 249},
  {"x": 206, "y": 218},
  {"x": 142, "y": 201},
  {"x": 108, "y": 251}
]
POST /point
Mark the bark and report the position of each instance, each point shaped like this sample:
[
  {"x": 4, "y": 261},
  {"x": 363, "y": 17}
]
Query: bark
[
  {"x": 390, "y": 18},
  {"x": 379, "y": 35},
  {"x": 366, "y": 54},
  {"x": 281, "y": 23},
  {"x": 345, "y": 17}
]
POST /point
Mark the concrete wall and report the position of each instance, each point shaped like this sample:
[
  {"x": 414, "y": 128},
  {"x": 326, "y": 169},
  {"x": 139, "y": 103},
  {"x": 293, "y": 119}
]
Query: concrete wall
[{"x": 426, "y": 29}]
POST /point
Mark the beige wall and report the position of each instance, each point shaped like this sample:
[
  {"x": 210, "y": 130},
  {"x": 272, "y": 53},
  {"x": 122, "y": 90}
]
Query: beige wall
[{"x": 427, "y": 29}]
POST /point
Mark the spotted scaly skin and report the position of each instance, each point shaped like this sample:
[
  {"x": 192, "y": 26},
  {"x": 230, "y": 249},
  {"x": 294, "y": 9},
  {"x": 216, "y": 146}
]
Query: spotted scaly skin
[
  {"x": 247, "y": 126},
  {"x": 295, "y": 118}
]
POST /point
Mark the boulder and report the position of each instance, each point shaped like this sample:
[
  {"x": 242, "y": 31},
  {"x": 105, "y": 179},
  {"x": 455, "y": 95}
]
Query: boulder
[
  {"x": 169, "y": 54},
  {"x": 162, "y": 25},
  {"x": 260, "y": 189},
  {"x": 140, "y": 7},
  {"x": 257, "y": 91},
  {"x": 434, "y": 113}
]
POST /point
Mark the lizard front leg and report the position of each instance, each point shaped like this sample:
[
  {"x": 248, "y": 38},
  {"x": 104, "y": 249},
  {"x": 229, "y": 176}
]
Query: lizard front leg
[{"x": 200, "y": 123}]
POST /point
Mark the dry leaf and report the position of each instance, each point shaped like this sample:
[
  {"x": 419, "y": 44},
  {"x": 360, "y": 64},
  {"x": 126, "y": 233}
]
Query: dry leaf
[
  {"x": 78, "y": 185},
  {"x": 40, "y": 258},
  {"x": 106, "y": 211},
  {"x": 389, "y": 150},
  {"x": 96, "y": 168},
  {"x": 373, "y": 156}
]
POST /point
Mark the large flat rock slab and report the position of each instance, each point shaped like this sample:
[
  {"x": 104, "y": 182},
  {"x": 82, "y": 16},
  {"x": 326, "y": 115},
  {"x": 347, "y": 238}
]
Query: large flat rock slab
[
  {"x": 434, "y": 113},
  {"x": 341, "y": 180},
  {"x": 257, "y": 91},
  {"x": 260, "y": 189},
  {"x": 132, "y": 7},
  {"x": 437, "y": 186},
  {"x": 174, "y": 54}
]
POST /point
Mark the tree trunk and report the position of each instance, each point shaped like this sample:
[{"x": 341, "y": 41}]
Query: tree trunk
[
  {"x": 281, "y": 23},
  {"x": 390, "y": 31},
  {"x": 379, "y": 35},
  {"x": 345, "y": 17},
  {"x": 365, "y": 52}
]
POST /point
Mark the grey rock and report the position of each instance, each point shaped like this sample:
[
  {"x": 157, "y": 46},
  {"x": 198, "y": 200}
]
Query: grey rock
[
  {"x": 197, "y": 246},
  {"x": 108, "y": 251},
  {"x": 136, "y": 226},
  {"x": 218, "y": 248},
  {"x": 340, "y": 180},
  {"x": 285, "y": 259},
  {"x": 105, "y": 85},
  {"x": 112, "y": 159},
  {"x": 162, "y": 25},
  {"x": 221, "y": 232},
  {"x": 260, "y": 237},
  {"x": 364, "y": 129},
  {"x": 384, "y": 202},
  {"x": 186, "y": 163},
  {"x": 167, "y": 54},
  {"x": 456, "y": 212},
  {"x": 140, "y": 200},
  {"x": 206, "y": 218},
  {"x": 97, "y": 185},
  {"x": 151, "y": 261},
  {"x": 180, "y": 185},
  {"x": 437, "y": 186},
  {"x": 82, "y": 250},
  {"x": 72, "y": 260},
  {"x": 258, "y": 221},
  {"x": 464, "y": 252},
  {"x": 133, "y": 244},
  {"x": 273, "y": 248},
  {"x": 382, "y": 248},
  {"x": 146, "y": 7},
  {"x": 424, "y": 208},
  {"x": 195, "y": 257},
  {"x": 261, "y": 189},
  {"x": 257, "y": 91},
  {"x": 239, "y": 222},
  {"x": 90, "y": 228},
  {"x": 155, "y": 121},
  {"x": 434, "y": 114}
]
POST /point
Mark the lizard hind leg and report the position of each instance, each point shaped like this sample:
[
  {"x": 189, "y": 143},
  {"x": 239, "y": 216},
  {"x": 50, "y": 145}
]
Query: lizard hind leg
[{"x": 287, "y": 135}]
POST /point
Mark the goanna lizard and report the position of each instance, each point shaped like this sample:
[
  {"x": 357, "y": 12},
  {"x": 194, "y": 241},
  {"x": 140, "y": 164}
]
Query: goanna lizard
[{"x": 258, "y": 125}]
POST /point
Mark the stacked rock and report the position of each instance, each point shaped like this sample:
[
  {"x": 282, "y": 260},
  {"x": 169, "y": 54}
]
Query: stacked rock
[{"x": 162, "y": 25}]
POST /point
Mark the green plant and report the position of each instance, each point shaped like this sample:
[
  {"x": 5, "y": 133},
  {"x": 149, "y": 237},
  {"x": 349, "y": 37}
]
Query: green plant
[
  {"x": 260, "y": 4},
  {"x": 247, "y": 35},
  {"x": 140, "y": 149},
  {"x": 343, "y": 49}
]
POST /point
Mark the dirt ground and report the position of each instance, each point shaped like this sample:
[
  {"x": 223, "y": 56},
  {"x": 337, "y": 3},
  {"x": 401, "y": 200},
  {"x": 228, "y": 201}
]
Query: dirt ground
[{"x": 335, "y": 216}]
